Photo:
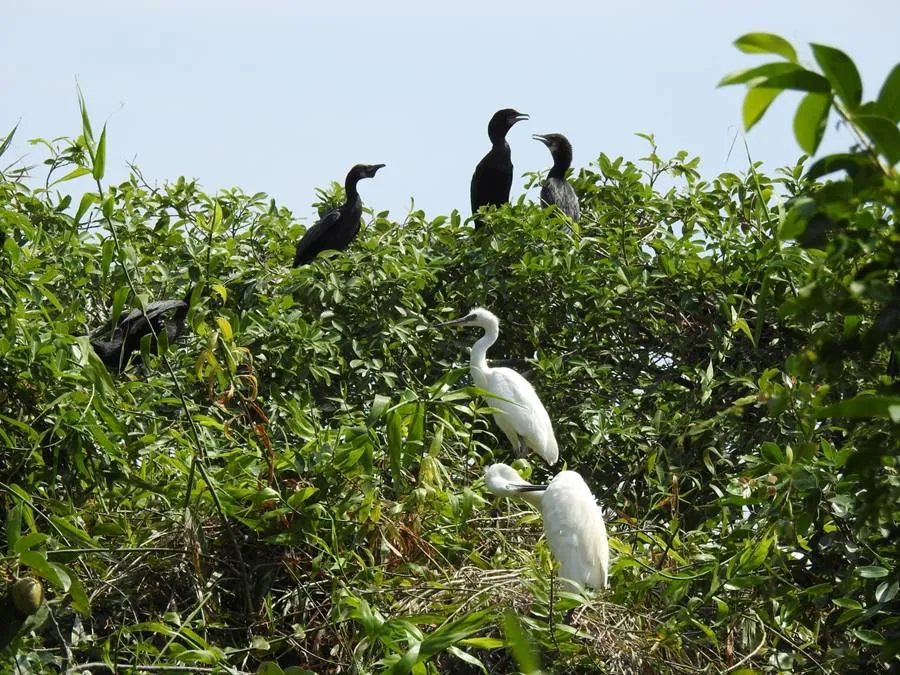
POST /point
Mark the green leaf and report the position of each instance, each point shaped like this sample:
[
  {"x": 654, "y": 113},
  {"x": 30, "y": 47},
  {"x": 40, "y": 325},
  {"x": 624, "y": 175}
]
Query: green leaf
[
  {"x": 86, "y": 123},
  {"x": 841, "y": 73},
  {"x": 13, "y": 527},
  {"x": 886, "y": 591},
  {"x": 852, "y": 163},
  {"x": 748, "y": 75},
  {"x": 889, "y": 96},
  {"x": 395, "y": 446},
  {"x": 8, "y": 139},
  {"x": 756, "y": 102},
  {"x": 29, "y": 541},
  {"x": 872, "y": 572},
  {"x": 870, "y": 636},
  {"x": 864, "y": 406},
  {"x": 884, "y": 134},
  {"x": 766, "y": 43},
  {"x": 846, "y": 603},
  {"x": 100, "y": 156},
  {"x": 810, "y": 121},
  {"x": 519, "y": 644},
  {"x": 87, "y": 199},
  {"x": 797, "y": 80},
  {"x": 74, "y": 173}
]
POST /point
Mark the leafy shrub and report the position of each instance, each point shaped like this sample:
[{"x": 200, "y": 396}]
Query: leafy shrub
[{"x": 295, "y": 485}]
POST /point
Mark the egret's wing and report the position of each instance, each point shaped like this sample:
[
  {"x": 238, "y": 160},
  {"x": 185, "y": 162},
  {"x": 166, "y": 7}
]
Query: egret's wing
[
  {"x": 307, "y": 249},
  {"x": 523, "y": 411},
  {"x": 575, "y": 530}
]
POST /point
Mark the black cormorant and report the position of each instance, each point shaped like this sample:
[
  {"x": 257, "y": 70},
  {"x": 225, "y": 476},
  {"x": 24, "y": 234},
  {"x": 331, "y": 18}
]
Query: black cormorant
[
  {"x": 168, "y": 315},
  {"x": 556, "y": 190},
  {"x": 337, "y": 228},
  {"x": 492, "y": 179}
]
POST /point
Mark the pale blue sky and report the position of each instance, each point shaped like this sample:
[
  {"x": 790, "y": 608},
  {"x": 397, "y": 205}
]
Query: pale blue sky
[{"x": 285, "y": 97}]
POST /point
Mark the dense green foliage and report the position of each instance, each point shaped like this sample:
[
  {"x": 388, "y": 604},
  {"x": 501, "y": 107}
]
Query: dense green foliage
[{"x": 298, "y": 480}]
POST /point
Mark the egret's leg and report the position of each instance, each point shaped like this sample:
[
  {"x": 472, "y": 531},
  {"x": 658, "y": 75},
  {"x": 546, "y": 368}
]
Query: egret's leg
[{"x": 522, "y": 450}]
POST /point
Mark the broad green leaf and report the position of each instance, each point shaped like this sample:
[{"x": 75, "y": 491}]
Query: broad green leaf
[
  {"x": 889, "y": 96},
  {"x": 841, "y": 73},
  {"x": 756, "y": 102},
  {"x": 225, "y": 327},
  {"x": 520, "y": 645},
  {"x": 886, "y": 591},
  {"x": 852, "y": 163},
  {"x": 884, "y": 134},
  {"x": 29, "y": 541},
  {"x": 872, "y": 572},
  {"x": 87, "y": 199},
  {"x": 13, "y": 527},
  {"x": 74, "y": 173},
  {"x": 766, "y": 43},
  {"x": 798, "y": 80},
  {"x": 864, "y": 405},
  {"x": 750, "y": 75},
  {"x": 873, "y": 637},
  {"x": 100, "y": 156},
  {"x": 810, "y": 121}
]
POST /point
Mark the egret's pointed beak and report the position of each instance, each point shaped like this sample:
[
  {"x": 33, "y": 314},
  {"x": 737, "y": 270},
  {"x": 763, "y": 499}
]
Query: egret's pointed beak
[
  {"x": 454, "y": 322},
  {"x": 528, "y": 488}
]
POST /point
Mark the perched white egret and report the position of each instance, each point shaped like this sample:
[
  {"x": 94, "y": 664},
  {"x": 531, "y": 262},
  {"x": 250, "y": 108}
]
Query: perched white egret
[
  {"x": 520, "y": 413},
  {"x": 573, "y": 522}
]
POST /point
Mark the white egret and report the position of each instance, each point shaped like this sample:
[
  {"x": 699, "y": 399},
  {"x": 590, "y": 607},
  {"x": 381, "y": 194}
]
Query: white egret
[
  {"x": 573, "y": 521},
  {"x": 520, "y": 413}
]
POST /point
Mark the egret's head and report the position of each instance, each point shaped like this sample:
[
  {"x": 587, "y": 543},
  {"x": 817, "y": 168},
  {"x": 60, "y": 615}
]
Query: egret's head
[
  {"x": 504, "y": 481},
  {"x": 476, "y": 317}
]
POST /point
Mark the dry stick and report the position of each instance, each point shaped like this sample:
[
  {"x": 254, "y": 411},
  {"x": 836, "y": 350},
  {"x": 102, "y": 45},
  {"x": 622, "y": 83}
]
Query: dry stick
[{"x": 196, "y": 460}]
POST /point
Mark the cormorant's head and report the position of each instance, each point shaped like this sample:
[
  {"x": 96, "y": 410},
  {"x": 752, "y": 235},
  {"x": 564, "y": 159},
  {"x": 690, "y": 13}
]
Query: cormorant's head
[
  {"x": 364, "y": 171},
  {"x": 555, "y": 142},
  {"x": 503, "y": 121}
]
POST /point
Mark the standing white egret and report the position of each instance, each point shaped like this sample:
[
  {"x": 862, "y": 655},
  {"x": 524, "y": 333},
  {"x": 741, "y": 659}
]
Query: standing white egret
[
  {"x": 520, "y": 413},
  {"x": 573, "y": 522}
]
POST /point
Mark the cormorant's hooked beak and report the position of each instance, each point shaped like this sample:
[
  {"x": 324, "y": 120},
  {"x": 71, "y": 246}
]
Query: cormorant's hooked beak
[
  {"x": 543, "y": 139},
  {"x": 519, "y": 117},
  {"x": 456, "y": 322},
  {"x": 370, "y": 172}
]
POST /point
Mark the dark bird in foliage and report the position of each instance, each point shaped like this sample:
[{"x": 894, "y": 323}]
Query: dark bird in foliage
[
  {"x": 162, "y": 315},
  {"x": 337, "y": 228},
  {"x": 493, "y": 176},
  {"x": 556, "y": 190}
]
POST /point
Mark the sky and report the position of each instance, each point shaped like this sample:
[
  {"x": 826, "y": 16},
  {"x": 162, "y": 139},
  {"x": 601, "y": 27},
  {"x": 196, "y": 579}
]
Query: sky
[{"x": 284, "y": 97}]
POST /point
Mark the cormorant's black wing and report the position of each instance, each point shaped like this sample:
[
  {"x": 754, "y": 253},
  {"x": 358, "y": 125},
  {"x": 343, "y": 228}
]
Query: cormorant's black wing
[
  {"x": 560, "y": 193},
  {"x": 310, "y": 244}
]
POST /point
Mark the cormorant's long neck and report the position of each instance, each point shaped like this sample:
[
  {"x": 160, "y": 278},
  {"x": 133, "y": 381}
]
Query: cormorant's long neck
[
  {"x": 350, "y": 190},
  {"x": 498, "y": 138},
  {"x": 478, "y": 359},
  {"x": 562, "y": 160}
]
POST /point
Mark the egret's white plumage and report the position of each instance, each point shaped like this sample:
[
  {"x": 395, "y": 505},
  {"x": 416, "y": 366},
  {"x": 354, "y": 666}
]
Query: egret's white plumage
[
  {"x": 520, "y": 413},
  {"x": 573, "y": 521}
]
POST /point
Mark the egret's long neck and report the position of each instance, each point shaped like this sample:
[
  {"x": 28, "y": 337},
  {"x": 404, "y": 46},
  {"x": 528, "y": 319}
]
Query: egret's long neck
[
  {"x": 478, "y": 359},
  {"x": 533, "y": 498}
]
